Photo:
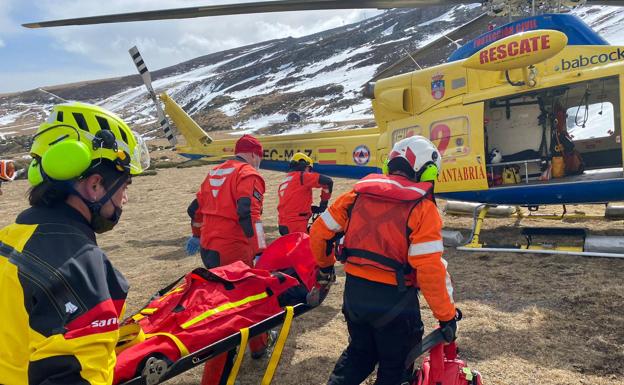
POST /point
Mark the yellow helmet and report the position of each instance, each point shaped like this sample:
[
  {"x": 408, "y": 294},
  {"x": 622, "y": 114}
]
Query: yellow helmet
[
  {"x": 301, "y": 157},
  {"x": 78, "y": 135}
]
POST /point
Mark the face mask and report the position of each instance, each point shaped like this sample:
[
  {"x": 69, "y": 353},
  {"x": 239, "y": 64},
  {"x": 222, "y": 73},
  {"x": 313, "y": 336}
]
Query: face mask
[{"x": 101, "y": 224}]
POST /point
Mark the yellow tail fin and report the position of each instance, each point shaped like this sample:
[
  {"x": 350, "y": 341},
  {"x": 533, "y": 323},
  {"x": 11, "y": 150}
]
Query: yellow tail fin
[{"x": 195, "y": 136}]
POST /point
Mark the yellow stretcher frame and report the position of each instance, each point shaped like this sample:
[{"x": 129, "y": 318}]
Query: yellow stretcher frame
[{"x": 158, "y": 371}]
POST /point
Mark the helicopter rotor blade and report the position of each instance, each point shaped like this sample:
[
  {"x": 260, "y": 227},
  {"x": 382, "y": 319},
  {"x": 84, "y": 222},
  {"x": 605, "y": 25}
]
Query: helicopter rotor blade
[
  {"x": 606, "y": 2},
  {"x": 475, "y": 24},
  {"x": 147, "y": 80},
  {"x": 242, "y": 8}
]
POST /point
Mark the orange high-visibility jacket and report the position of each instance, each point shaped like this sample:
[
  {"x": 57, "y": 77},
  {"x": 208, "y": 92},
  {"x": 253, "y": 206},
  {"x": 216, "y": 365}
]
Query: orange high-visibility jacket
[
  {"x": 389, "y": 218},
  {"x": 230, "y": 205},
  {"x": 295, "y": 195}
]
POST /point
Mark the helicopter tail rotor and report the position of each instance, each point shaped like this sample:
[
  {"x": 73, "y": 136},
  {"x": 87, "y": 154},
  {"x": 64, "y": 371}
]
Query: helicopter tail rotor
[{"x": 147, "y": 80}]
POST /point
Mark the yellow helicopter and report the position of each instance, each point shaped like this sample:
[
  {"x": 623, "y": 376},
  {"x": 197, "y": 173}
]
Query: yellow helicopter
[{"x": 528, "y": 113}]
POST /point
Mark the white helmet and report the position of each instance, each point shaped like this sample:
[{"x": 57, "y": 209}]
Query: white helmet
[{"x": 420, "y": 154}]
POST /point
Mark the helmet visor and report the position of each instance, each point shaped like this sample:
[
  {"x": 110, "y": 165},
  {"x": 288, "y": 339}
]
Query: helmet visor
[{"x": 140, "y": 158}]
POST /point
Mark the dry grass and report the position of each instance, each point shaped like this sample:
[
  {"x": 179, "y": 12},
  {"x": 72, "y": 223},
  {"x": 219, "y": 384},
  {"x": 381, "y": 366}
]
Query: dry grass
[{"x": 529, "y": 319}]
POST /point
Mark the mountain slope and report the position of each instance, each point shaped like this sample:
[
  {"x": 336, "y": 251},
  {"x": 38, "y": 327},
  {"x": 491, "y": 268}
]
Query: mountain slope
[{"x": 253, "y": 88}]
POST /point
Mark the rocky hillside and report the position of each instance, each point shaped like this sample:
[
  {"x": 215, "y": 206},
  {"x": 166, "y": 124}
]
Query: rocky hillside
[{"x": 254, "y": 88}]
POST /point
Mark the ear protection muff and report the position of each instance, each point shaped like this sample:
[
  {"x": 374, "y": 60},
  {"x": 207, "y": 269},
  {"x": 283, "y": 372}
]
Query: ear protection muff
[
  {"x": 429, "y": 173},
  {"x": 66, "y": 160}
]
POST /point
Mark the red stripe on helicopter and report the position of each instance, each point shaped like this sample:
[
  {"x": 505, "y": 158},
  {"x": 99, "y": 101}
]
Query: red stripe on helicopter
[{"x": 326, "y": 150}]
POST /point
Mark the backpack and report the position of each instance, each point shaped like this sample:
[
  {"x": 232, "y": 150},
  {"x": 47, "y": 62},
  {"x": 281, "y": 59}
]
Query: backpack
[{"x": 443, "y": 367}]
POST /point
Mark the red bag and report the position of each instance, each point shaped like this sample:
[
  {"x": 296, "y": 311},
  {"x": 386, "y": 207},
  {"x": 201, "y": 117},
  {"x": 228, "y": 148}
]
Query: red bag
[
  {"x": 291, "y": 251},
  {"x": 207, "y": 306},
  {"x": 443, "y": 367}
]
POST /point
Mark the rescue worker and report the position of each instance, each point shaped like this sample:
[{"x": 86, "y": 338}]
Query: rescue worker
[
  {"x": 61, "y": 298},
  {"x": 295, "y": 195},
  {"x": 7, "y": 172},
  {"x": 392, "y": 245},
  {"x": 226, "y": 221},
  {"x": 227, "y": 227}
]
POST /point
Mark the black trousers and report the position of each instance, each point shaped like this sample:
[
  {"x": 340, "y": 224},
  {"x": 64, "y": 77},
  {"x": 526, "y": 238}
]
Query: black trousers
[{"x": 371, "y": 344}]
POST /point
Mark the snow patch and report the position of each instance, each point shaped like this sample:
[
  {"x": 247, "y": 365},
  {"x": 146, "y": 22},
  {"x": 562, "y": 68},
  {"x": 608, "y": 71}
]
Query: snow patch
[{"x": 389, "y": 31}]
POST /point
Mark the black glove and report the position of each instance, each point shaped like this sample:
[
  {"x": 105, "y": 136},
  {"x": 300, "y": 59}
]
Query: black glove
[
  {"x": 449, "y": 328},
  {"x": 320, "y": 208},
  {"x": 326, "y": 276}
]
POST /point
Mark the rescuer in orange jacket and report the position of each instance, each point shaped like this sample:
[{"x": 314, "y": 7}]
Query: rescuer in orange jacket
[
  {"x": 227, "y": 227},
  {"x": 7, "y": 172},
  {"x": 392, "y": 245},
  {"x": 225, "y": 216},
  {"x": 295, "y": 195}
]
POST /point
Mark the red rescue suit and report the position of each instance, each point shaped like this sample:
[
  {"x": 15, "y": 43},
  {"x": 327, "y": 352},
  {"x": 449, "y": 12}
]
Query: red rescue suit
[
  {"x": 229, "y": 206},
  {"x": 295, "y": 198}
]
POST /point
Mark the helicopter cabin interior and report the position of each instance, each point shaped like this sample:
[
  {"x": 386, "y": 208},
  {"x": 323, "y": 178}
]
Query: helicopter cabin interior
[{"x": 560, "y": 134}]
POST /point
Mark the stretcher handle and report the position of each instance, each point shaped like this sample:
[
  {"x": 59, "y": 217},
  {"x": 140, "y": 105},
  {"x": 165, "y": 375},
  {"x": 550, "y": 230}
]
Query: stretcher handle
[{"x": 432, "y": 339}]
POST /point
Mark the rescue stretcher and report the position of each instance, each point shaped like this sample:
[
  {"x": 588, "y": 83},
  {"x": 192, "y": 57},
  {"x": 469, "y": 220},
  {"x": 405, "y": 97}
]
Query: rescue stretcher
[
  {"x": 157, "y": 370},
  {"x": 208, "y": 312}
]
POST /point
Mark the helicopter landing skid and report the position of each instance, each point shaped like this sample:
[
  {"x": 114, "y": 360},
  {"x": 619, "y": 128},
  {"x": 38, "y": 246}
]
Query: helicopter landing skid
[{"x": 475, "y": 243}]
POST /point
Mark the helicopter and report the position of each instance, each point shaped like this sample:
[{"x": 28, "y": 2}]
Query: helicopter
[{"x": 527, "y": 113}]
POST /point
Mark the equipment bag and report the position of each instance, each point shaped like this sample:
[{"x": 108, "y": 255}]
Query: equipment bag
[
  {"x": 206, "y": 306},
  {"x": 443, "y": 367}
]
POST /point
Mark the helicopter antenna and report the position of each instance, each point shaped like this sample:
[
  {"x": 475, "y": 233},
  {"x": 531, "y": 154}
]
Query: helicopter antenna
[
  {"x": 52, "y": 94},
  {"x": 411, "y": 57},
  {"x": 453, "y": 41}
]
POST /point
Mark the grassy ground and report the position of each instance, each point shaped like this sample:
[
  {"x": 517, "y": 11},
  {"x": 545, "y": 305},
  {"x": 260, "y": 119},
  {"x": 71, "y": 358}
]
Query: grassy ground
[{"x": 529, "y": 319}]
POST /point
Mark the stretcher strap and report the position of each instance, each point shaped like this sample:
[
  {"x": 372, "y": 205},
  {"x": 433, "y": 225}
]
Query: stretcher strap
[
  {"x": 225, "y": 306},
  {"x": 129, "y": 335},
  {"x": 279, "y": 347},
  {"x": 239, "y": 357},
  {"x": 181, "y": 347},
  {"x": 132, "y": 334}
]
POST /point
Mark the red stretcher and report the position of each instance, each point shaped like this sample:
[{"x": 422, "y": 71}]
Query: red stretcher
[{"x": 209, "y": 312}]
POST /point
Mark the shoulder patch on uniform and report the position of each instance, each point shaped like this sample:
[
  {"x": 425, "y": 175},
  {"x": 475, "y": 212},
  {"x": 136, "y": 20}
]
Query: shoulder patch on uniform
[{"x": 257, "y": 195}]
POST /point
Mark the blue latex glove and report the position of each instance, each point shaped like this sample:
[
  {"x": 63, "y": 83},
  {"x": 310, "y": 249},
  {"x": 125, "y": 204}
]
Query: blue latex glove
[{"x": 192, "y": 245}]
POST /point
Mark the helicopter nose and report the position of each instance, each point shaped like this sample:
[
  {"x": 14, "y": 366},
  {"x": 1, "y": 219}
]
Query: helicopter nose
[{"x": 369, "y": 90}]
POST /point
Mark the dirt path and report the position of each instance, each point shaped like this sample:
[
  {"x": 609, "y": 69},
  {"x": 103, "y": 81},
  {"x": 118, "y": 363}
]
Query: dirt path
[{"x": 529, "y": 319}]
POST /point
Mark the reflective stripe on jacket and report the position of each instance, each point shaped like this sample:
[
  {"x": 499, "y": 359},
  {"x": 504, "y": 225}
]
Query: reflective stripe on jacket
[
  {"x": 61, "y": 299},
  {"x": 421, "y": 225},
  {"x": 230, "y": 205}
]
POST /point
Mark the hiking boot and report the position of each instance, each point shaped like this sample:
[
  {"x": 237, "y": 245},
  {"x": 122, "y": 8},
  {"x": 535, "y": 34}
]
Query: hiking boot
[{"x": 271, "y": 338}]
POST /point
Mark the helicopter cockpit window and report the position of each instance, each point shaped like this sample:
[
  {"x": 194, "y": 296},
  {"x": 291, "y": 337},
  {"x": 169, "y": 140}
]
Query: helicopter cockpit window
[{"x": 591, "y": 121}]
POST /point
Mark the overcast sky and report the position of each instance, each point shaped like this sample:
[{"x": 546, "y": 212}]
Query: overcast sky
[{"x": 30, "y": 58}]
